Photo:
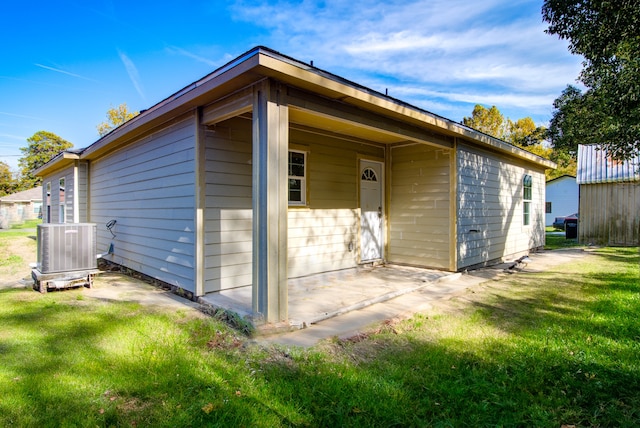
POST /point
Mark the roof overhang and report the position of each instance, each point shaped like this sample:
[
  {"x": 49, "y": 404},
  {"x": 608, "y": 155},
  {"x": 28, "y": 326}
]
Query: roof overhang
[
  {"x": 60, "y": 161},
  {"x": 296, "y": 73},
  {"x": 260, "y": 63}
]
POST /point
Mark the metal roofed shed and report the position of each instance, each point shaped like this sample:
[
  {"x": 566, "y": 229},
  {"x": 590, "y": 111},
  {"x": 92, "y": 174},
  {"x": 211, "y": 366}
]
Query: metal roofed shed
[
  {"x": 596, "y": 166},
  {"x": 66, "y": 256},
  {"x": 609, "y": 198}
]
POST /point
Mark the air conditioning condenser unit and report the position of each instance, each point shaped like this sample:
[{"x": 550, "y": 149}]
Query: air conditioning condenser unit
[{"x": 66, "y": 255}]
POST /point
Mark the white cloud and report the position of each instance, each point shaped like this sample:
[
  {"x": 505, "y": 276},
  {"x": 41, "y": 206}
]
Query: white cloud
[
  {"x": 494, "y": 51},
  {"x": 179, "y": 51},
  {"x": 61, "y": 71},
  {"x": 132, "y": 71},
  {"x": 15, "y": 137},
  {"x": 21, "y": 116}
]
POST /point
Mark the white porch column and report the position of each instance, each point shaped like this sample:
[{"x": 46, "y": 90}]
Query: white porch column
[{"x": 270, "y": 203}]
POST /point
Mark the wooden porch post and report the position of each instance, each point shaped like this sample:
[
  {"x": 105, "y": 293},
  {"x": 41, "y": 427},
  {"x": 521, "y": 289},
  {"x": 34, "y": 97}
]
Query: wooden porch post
[
  {"x": 200, "y": 202},
  {"x": 453, "y": 207},
  {"x": 270, "y": 204}
]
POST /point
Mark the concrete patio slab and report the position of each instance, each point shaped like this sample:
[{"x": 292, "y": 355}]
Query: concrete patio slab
[{"x": 319, "y": 297}]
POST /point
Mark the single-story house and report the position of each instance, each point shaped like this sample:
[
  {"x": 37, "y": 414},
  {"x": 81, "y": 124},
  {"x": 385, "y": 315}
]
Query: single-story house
[
  {"x": 270, "y": 168},
  {"x": 20, "y": 207},
  {"x": 561, "y": 199},
  {"x": 609, "y": 198}
]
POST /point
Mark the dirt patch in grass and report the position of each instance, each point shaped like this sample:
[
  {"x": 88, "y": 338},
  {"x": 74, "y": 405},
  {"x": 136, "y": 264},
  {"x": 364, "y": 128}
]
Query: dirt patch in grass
[{"x": 16, "y": 252}]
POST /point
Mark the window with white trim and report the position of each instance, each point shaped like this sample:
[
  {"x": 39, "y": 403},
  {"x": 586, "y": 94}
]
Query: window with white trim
[
  {"x": 48, "y": 201},
  {"x": 62, "y": 209},
  {"x": 369, "y": 174},
  {"x": 527, "y": 193},
  {"x": 297, "y": 178}
]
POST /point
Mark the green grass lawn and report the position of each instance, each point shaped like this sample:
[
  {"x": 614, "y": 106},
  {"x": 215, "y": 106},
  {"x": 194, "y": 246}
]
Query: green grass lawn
[
  {"x": 544, "y": 349},
  {"x": 17, "y": 250},
  {"x": 555, "y": 242},
  {"x": 28, "y": 224},
  {"x": 556, "y": 239}
]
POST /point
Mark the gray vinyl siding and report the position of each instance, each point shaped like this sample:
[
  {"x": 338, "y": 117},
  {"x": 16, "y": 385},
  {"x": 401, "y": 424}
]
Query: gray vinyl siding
[
  {"x": 148, "y": 188},
  {"x": 419, "y": 214},
  {"x": 54, "y": 179},
  {"x": 319, "y": 234},
  {"x": 74, "y": 193},
  {"x": 82, "y": 187},
  {"x": 228, "y": 214},
  {"x": 490, "y": 208}
]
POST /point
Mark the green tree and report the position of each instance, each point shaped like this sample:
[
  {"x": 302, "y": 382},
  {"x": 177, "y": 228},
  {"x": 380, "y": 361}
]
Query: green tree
[
  {"x": 607, "y": 35},
  {"x": 7, "y": 182},
  {"x": 524, "y": 132},
  {"x": 572, "y": 121},
  {"x": 567, "y": 165},
  {"x": 489, "y": 121},
  {"x": 41, "y": 148},
  {"x": 115, "y": 117}
]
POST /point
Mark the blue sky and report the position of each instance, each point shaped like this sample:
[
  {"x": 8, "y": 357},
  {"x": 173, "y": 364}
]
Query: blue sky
[{"x": 64, "y": 64}]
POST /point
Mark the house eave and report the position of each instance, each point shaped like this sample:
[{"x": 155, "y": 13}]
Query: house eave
[
  {"x": 304, "y": 76},
  {"x": 60, "y": 161},
  {"x": 260, "y": 63}
]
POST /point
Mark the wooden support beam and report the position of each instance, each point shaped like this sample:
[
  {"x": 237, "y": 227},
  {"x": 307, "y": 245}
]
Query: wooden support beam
[
  {"x": 355, "y": 116},
  {"x": 270, "y": 204},
  {"x": 453, "y": 207},
  {"x": 234, "y": 105}
]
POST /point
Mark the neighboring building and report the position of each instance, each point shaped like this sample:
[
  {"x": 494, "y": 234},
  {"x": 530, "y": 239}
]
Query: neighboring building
[
  {"x": 269, "y": 169},
  {"x": 20, "y": 207},
  {"x": 609, "y": 198},
  {"x": 561, "y": 198}
]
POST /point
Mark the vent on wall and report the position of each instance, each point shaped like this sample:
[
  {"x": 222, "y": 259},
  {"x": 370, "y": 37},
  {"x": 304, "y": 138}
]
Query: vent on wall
[{"x": 66, "y": 247}]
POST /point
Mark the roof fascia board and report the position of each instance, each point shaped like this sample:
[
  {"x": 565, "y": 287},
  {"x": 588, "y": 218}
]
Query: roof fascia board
[
  {"x": 469, "y": 146},
  {"x": 308, "y": 77},
  {"x": 59, "y": 161}
]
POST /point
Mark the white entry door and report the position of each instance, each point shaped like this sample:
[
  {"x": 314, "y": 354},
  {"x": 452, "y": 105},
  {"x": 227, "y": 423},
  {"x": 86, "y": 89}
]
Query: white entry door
[{"x": 372, "y": 211}]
